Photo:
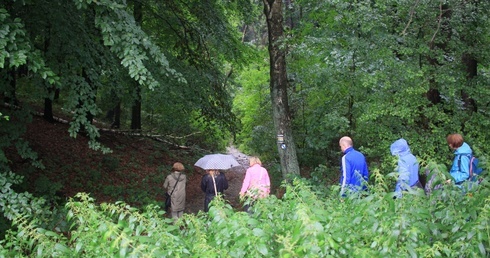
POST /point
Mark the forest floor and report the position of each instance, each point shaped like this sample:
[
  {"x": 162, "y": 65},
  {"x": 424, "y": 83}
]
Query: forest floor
[{"x": 134, "y": 172}]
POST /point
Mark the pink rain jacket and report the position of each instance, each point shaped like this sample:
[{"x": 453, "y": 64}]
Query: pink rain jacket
[{"x": 256, "y": 182}]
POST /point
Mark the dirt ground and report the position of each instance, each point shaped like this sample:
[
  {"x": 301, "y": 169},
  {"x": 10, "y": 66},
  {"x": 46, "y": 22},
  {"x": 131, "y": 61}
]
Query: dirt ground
[{"x": 132, "y": 165}]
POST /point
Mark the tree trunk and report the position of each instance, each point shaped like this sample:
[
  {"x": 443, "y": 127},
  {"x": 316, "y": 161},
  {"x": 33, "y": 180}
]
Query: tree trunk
[
  {"x": 471, "y": 66},
  {"x": 10, "y": 93},
  {"x": 117, "y": 116},
  {"x": 136, "y": 108},
  {"x": 278, "y": 89},
  {"x": 48, "y": 110},
  {"x": 469, "y": 61},
  {"x": 48, "y": 101}
]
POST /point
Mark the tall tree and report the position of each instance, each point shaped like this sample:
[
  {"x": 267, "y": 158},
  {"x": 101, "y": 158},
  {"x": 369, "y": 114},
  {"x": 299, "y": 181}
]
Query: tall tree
[
  {"x": 279, "y": 88},
  {"x": 101, "y": 54},
  {"x": 136, "y": 107}
]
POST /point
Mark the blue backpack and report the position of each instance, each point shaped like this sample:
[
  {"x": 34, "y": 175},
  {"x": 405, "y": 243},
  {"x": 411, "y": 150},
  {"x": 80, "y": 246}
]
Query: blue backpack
[{"x": 475, "y": 170}]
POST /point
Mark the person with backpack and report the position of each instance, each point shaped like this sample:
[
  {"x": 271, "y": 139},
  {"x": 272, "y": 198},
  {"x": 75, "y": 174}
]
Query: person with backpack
[
  {"x": 408, "y": 167},
  {"x": 460, "y": 169}
]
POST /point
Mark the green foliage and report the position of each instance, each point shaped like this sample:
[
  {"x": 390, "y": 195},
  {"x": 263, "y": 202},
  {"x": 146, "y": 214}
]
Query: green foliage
[
  {"x": 4, "y": 117},
  {"x": 367, "y": 70},
  {"x": 91, "y": 54},
  {"x": 20, "y": 206},
  {"x": 308, "y": 221},
  {"x": 46, "y": 188},
  {"x": 252, "y": 106}
]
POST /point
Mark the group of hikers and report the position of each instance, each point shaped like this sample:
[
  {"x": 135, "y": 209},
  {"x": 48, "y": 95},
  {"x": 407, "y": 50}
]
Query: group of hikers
[
  {"x": 256, "y": 184},
  {"x": 355, "y": 174}
]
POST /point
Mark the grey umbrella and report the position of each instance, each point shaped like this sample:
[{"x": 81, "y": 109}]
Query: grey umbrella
[{"x": 217, "y": 161}]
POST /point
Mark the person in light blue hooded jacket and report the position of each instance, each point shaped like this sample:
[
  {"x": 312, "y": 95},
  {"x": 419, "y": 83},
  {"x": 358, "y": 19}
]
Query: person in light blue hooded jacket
[
  {"x": 408, "y": 167},
  {"x": 460, "y": 169}
]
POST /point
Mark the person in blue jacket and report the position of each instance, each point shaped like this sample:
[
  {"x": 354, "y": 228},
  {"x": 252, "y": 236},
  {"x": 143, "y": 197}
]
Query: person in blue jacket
[
  {"x": 408, "y": 167},
  {"x": 460, "y": 170},
  {"x": 354, "y": 169}
]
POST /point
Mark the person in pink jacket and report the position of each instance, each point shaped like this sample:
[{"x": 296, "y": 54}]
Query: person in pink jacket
[{"x": 256, "y": 183}]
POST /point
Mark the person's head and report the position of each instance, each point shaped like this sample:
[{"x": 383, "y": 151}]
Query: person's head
[
  {"x": 345, "y": 142},
  {"x": 212, "y": 172},
  {"x": 454, "y": 140},
  {"x": 399, "y": 146},
  {"x": 254, "y": 160},
  {"x": 178, "y": 166}
]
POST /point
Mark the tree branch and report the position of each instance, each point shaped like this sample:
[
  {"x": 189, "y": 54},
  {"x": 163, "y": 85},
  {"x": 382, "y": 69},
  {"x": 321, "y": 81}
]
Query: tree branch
[{"x": 412, "y": 12}]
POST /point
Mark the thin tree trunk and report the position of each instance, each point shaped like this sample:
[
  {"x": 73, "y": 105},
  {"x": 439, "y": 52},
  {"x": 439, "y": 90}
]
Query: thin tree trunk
[
  {"x": 10, "y": 93},
  {"x": 136, "y": 108},
  {"x": 469, "y": 61},
  {"x": 48, "y": 100},
  {"x": 117, "y": 116},
  {"x": 278, "y": 89},
  {"x": 48, "y": 110}
]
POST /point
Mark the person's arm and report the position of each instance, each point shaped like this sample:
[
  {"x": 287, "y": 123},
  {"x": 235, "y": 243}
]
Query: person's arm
[
  {"x": 345, "y": 178},
  {"x": 403, "y": 176},
  {"x": 246, "y": 183},
  {"x": 203, "y": 183},
  {"x": 165, "y": 184},
  {"x": 460, "y": 169},
  {"x": 267, "y": 178},
  {"x": 366, "y": 172}
]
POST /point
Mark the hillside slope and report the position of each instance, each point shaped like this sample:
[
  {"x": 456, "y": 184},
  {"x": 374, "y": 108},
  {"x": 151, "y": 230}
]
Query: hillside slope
[{"x": 134, "y": 172}]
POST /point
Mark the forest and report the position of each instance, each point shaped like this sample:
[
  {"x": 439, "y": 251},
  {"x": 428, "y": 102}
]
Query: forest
[{"x": 130, "y": 86}]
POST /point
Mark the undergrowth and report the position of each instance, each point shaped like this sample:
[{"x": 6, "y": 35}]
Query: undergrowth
[{"x": 308, "y": 221}]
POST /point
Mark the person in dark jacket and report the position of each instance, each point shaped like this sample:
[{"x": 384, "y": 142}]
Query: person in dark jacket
[
  {"x": 408, "y": 167},
  {"x": 354, "y": 169},
  {"x": 212, "y": 183}
]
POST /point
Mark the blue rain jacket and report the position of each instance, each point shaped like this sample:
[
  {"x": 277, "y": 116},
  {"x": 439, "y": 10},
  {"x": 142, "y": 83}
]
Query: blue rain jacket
[
  {"x": 408, "y": 166},
  {"x": 461, "y": 173},
  {"x": 354, "y": 171}
]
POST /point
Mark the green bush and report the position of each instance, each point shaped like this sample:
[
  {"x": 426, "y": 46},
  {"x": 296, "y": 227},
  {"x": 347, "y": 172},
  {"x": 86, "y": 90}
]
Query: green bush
[{"x": 307, "y": 222}]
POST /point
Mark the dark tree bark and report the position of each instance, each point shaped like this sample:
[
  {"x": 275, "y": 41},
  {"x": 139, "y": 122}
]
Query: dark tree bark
[
  {"x": 117, "y": 116},
  {"x": 10, "y": 95},
  {"x": 279, "y": 88},
  {"x": 434, "y": 95},
  {"x": 471, "y": 66},
  {"x": 136, "y": 108},
  {"x": 48, "y": 110},
  {"x": 48, "y": 100},
  {"x": 469, "y": 61},
  {"x": 89, "y": 115}
]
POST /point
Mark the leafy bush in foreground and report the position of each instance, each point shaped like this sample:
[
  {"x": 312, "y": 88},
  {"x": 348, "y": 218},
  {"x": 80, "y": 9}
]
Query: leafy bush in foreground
[{"x": 304, "y": 223}]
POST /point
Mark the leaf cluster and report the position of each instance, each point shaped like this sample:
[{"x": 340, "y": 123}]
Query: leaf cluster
[{"x": 307, "y": 221}]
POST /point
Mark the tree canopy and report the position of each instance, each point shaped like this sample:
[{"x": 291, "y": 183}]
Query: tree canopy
[
  {"x": 88, "y": 57},
  {"x": 207, "y": 73}
]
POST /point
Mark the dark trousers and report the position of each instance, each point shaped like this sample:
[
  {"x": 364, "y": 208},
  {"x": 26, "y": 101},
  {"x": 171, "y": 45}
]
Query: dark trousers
[{"x": 207, "y": 200}]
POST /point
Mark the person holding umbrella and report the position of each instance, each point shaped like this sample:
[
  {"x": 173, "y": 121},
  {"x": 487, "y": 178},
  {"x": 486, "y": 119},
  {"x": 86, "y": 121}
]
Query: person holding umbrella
[{"x": 212, "y": 183}]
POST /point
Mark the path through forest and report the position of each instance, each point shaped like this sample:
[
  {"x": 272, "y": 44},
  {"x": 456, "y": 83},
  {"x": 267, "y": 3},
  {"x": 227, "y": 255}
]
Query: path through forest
[{"x": 195, "y": 196}]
